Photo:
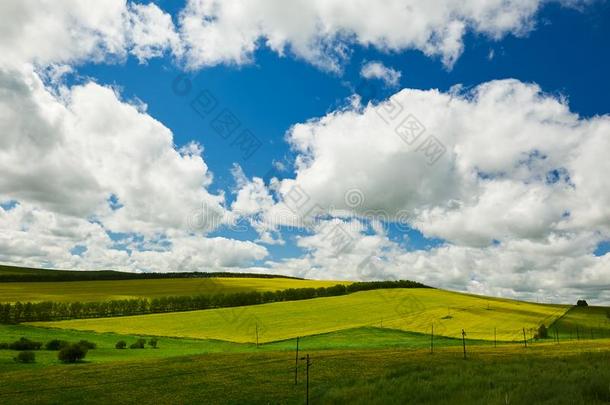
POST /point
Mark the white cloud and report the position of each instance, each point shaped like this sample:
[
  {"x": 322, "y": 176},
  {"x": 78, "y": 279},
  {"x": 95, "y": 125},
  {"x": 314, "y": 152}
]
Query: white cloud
[
  {"x": 35, "y": 237},
  {"x": 73, "y": 31},
  {"x": 518, "y": 194},
  {"x": 84, "y": 158},
  {"x": 377, "y": 70},
  {"x": 211, "y": 32},
  {"x": 321, "y": 31}
]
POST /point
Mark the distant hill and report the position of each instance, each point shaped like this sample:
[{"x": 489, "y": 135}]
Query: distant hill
[{"x": 27, "y": 274}]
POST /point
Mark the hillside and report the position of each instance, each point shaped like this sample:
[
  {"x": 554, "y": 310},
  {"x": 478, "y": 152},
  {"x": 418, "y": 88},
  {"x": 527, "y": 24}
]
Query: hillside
[
  {"x": 28, "y": 274},
  {"x": 414, "y": 310},
  {"x": 103, "y": 290}
]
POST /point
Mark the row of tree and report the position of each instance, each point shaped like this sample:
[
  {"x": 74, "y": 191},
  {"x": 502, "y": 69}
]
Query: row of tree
[{"x": 52, "y": 311}]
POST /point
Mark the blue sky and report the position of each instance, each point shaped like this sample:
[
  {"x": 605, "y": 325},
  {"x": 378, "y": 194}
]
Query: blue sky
[
  {"x": 568, "y": 54},
  {"x": 499, "y": 190}
]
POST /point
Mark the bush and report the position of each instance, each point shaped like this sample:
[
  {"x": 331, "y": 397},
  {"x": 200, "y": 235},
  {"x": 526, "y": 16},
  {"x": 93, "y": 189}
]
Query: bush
[
  {"x": 153, "y": 343},
  {"x": 25, "y": 344},
  {"x": 139, "y": 344},
  {"x": 4, "y": 346},
  {"x": 25, "y": 357},
  {"x": 120, "y": 344},
  {"x": 543, "y": 332},
  {"x": 72, "y": 353},
  {"x": 56, "y": 344},
  {"x": 581, "y": 303},
  {"x": 87, "y": 344}
]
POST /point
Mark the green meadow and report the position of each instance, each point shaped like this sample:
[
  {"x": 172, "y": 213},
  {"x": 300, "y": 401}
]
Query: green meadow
[
  {"x": 511, "y": 374},
  {"x": 366, "y": 347}
]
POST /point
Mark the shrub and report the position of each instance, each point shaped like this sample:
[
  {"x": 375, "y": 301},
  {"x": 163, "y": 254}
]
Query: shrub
[
  {"x": 120, "y": 344},
  {"x": 26, "y": 357},
  {"x": 153, "y": 343},
  {"x": 543, "y": 332},
  {"x": 87, "y": 344},
  {"x": 4, "y": 346},
  {"x": 25, "y": 344},
  {"x": 139, "y": 344},
  {"x": 581, "y": 303},
  {"x": 72, "y": 353},
  {"x": 56, "y": 344}
]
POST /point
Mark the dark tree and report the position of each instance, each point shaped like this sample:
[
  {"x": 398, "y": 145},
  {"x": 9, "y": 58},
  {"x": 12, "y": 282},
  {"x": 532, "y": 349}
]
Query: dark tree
[
  {"x": 72, "y": 353},
  {"x": 120, "y": 344},
  {"x": 153, "y": 343},
  {"x": 56, "y": 344},
  {"x": 582, "y": 303},
  {"x": 25, "y": 344},
  {"x": 543, "y": 332},
  {"x": 25, "y": 357},
  {"x": 139, "y": 344}
]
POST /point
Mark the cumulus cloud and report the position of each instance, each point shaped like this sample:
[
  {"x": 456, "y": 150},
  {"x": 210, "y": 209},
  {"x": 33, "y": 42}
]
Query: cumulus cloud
[
  {"x": 211, "y": 32},
  {"x": 72, "y": 31},
  {"x": 377, "y": 70},
  {"x": 322, "y": 31},
  {"x": 86, "y": 159},
  {"x": 507, "y": 175}
]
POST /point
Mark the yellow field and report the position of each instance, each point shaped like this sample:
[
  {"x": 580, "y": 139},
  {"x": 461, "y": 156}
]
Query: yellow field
[
  {"x": 86, "y": 291},
  {"x": 406, "y": 309}
]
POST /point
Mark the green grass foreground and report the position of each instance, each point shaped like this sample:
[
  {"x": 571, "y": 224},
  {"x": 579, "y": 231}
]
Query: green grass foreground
[
  {"x": 569, "y": 373},
  {"x": 354, "y": 339}
]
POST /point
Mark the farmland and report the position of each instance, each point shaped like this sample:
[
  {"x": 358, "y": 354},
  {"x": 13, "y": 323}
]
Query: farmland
[
  {"x": 544, "y": 373},
  {"x": 367, "y": 346},
  {"x": 414, "y": 310},
  {"x": 90, "y": 291}
]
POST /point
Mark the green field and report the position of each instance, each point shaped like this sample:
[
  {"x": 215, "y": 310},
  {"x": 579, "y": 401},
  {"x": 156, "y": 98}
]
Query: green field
[
  {"x": 367, "y": 347},
  {"x": 584, "y": 323},
  {"x": 414, "y": 310},
  {"x": 544, "y": 373},
  {"x": 360, "y": 338},
  {"x": 85, "y": 291}
]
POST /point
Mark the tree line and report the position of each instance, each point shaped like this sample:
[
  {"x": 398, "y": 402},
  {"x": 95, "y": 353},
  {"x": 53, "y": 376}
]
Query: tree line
[
  {"x": 10, "y": 274},
  {"x": 53, "y": 311}
]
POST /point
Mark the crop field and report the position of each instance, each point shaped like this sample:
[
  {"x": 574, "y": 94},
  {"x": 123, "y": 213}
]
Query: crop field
[
  {"x": 584, "y": 323},
  {"x": 86, "y": 291},
  {"x": 413, "y": 310},
  {"x": 543, "y": 373}
]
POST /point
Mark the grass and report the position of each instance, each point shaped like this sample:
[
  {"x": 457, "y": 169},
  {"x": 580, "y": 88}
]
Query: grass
[
  {"x": 584, "y": 323},
  {"x": 87, "y": 291},
  {"x": 413, "y": 310},
  {"x": 106, "y": 352},
  {"x": 355, "y": 339},
  {"x": 544, "y": 373}
]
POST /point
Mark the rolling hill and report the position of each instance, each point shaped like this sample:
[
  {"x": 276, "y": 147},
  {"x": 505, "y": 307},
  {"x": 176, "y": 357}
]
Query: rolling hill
[
  {"x": 413, "y": 310},
  {"x": 103, "y": 290}
]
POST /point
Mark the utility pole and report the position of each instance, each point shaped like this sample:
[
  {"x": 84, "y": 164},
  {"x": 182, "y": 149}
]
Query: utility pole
[
  {"x": 464, "y": 342},
  {"x": 307, "y": 386},
  {"x": 296, "y": 363},
  {"x": 524, "y": 338}
]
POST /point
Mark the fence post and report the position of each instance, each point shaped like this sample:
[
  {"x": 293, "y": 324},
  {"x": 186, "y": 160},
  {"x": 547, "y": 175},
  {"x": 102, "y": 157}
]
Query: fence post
[
  {"x": 464, "y": 342},
  {"x": 296, "y": 363},
  {"x": 524, "y": 338}
]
